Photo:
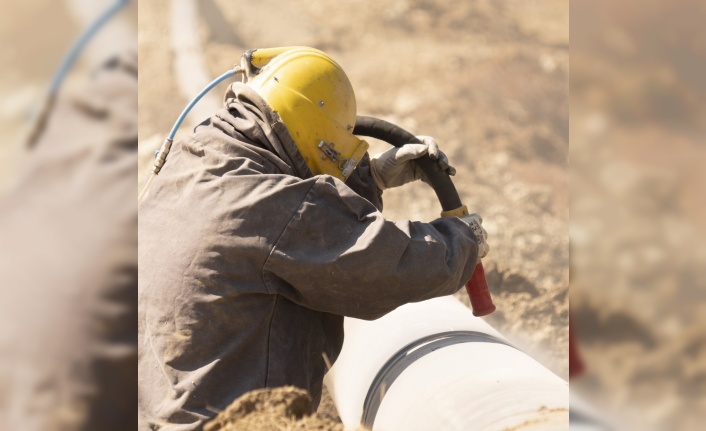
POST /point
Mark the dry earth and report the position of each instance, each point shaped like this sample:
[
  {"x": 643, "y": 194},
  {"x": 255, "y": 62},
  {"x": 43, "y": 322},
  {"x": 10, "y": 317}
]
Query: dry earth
[{"x": 286, "y": 409}]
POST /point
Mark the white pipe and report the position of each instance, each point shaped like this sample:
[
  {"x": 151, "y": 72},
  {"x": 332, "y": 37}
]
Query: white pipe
[{"x": 471, "y": 378}]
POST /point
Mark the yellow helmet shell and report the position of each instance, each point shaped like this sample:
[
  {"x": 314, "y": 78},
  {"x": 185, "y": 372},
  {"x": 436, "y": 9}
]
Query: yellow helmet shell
[{"x": 314, "y": 98}]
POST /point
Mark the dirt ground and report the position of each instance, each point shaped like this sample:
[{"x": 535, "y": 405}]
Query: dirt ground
[
  {"x": 487, "y": 79},
  {"x": 285, "y": 408}
]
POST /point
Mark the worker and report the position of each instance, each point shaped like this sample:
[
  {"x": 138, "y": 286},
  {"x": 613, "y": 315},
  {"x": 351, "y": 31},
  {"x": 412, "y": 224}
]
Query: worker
[{"x": 263, "y": 230}]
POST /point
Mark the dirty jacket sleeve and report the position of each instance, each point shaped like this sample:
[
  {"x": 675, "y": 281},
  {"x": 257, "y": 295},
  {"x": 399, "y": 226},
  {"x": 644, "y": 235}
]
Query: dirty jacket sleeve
[{"x": 338, "y": 254}]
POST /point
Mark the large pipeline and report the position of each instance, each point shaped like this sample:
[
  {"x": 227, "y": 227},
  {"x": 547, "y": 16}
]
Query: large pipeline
[{"x": 434, "y": 366}]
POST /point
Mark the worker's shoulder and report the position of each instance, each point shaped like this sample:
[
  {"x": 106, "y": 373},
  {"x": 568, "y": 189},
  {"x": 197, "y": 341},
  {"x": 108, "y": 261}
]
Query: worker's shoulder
[{"x": 287, "y": 191}]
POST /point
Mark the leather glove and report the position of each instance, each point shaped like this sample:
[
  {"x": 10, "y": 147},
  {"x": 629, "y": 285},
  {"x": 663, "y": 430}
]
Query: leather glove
[
  {"x": 396, "y": 166},
  {"x": 475, "y": 221}
]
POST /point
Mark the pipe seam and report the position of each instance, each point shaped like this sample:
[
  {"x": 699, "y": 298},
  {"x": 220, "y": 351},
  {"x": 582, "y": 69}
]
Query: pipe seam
[{"x": 406, "y": 356}]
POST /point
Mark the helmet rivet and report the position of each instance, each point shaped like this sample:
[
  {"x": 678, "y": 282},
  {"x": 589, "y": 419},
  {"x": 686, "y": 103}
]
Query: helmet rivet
[{"x": 321, "y": 103}]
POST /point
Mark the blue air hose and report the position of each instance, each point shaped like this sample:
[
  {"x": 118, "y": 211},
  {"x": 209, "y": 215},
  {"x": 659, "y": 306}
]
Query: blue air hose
[
  {"x": 198, "y": 97},
  {"x": 161, "y": 155}
]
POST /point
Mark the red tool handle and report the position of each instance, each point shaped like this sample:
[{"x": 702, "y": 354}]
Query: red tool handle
[
  {"x": 479, "y": 294},
  {"x": 445, "y": 190}
]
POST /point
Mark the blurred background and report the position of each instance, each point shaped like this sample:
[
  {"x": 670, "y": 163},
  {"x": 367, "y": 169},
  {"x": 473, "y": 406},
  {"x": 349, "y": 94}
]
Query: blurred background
[
  {"x": 68, "y": 220},
  {"x": 638, "y": 214},
  {"x": 35, "y": 36},
  {"x": 490, "y": 81}
]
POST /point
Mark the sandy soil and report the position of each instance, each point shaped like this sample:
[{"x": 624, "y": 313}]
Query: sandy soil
[{"x": 285, "y": 408}]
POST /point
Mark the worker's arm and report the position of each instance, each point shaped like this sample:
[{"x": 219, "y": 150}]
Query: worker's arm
[{"x": 338, "y": 254}]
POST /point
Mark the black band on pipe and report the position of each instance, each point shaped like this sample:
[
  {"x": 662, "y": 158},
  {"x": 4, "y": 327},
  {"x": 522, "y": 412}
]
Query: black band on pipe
[
  {"x": 406, "y": 356},
  {"x": 397, "y": 136}
]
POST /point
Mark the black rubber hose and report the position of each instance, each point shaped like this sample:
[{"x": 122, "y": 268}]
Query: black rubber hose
[{"x": 397, "y": 136}]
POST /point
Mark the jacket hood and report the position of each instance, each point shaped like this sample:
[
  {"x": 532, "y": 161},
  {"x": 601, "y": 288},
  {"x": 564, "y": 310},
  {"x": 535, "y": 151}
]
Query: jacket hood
[{"x": 247, "y": 117}]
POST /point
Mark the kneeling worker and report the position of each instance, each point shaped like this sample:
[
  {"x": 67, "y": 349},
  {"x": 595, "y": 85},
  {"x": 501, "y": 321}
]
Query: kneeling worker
[{"x": 264, "y": 230}]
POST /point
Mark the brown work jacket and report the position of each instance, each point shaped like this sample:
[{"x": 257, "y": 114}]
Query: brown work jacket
[{"x": 248, "y": 263}]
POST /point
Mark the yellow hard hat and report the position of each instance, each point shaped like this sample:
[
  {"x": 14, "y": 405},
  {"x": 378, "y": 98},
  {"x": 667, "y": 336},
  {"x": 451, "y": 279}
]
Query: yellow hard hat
[{"x": 315, "y": 100}]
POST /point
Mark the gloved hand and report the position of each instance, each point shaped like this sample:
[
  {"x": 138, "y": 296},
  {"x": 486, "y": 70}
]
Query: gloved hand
[
  {"x": 475, "y": 221},
  {"x": 396, "y": 166}
]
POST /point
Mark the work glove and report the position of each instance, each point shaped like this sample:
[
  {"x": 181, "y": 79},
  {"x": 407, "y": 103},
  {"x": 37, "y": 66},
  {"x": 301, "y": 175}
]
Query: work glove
[
  {"x": 475, "y": 222},
  {"x": 396, "y": 166}
]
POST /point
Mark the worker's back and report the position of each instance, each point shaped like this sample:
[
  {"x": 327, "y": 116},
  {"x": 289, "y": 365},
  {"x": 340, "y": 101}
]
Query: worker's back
[{"x": 246, "y": 267}]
